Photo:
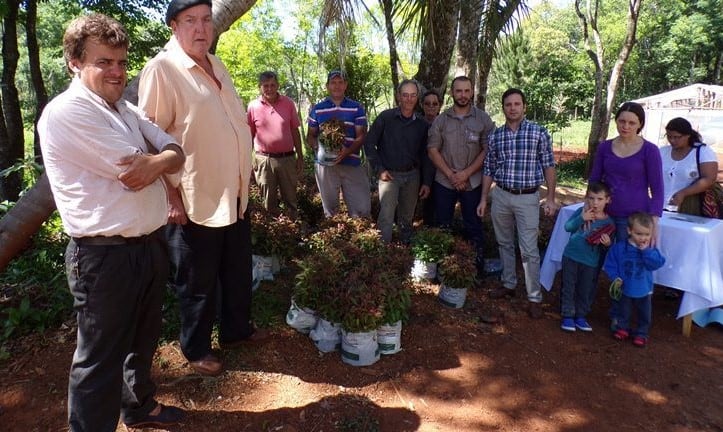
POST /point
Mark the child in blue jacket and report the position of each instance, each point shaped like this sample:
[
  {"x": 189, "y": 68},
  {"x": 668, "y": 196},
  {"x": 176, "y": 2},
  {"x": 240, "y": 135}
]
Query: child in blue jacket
[
  {"x": 632, "y": 263},
  {"x": 592, "y": 232}
]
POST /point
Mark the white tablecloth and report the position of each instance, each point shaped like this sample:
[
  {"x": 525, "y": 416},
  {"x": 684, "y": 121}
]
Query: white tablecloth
[{"x": 693, "y": 251}]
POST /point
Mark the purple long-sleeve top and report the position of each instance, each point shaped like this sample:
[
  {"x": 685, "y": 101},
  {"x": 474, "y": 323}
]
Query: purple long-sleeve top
[{"x": 636, "y": 181}]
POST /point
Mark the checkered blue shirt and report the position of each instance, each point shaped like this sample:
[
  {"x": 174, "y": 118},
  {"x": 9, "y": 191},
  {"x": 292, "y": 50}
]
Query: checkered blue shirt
[{"x": 516, "y": 160}]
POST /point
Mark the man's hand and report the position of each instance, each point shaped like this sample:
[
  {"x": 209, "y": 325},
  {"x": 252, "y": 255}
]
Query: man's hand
[
  {"x": 176, "y": 210},
  {"x": 550, "y": 206},
  {"x": 424, "y": 191},
  {"x": 458, "y": 179},
  {"x": 482, "y": 207},
  {"x": 343, "y": 153},
  {"x": 386, "y": 176},
  {"x": 141, "y": 170}
]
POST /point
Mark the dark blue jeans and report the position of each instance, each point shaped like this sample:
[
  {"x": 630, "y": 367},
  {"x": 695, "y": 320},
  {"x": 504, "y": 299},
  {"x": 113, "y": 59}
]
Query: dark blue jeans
[
  {"x": 579, "y": 285},
  {"x": 212, "y": 277},
  {"x": 118, "y": 293},
  {"x": 643, "y": 308},
  {"x": 444, "y": 202}
]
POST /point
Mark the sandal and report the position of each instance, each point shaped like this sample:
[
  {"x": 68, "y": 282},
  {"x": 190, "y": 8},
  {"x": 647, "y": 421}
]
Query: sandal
[{"x": 621, "y": 334}]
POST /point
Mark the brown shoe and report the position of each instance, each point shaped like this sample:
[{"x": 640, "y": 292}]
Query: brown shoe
[
  {"x": 501, "y": 292},
  {"x": 257, "y": 336},
  {"x": 535, "y": 310},
  {"x": 209, "y": 365}
]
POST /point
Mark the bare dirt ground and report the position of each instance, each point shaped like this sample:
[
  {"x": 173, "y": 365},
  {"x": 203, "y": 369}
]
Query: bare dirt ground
[{"x": 455, "y": 373}]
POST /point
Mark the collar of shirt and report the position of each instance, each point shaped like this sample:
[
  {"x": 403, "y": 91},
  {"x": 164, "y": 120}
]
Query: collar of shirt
[{"x": 398, "y": 113}]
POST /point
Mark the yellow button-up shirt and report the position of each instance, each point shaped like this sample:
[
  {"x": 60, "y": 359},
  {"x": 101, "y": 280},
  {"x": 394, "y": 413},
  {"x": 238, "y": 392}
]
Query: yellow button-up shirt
[{"x": 210, "y": 124}]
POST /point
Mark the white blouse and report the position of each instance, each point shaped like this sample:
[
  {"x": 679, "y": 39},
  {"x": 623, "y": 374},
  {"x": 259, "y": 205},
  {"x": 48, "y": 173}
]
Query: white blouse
[{"x": 680, "y": 174}]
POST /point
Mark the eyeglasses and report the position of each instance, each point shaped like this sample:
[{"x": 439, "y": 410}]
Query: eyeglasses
[
  {"x": 431, "y": 104},
  {"x": 409, "y": 95}
]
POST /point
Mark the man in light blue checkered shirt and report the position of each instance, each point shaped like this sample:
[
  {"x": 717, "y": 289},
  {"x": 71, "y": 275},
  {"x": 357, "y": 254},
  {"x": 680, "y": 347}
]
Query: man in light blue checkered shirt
[{"x": 519, "y": 159}]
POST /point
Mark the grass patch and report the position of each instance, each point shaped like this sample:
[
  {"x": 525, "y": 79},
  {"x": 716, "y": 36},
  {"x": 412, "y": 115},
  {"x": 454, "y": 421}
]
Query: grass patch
[{"x": 572, "y": 174}]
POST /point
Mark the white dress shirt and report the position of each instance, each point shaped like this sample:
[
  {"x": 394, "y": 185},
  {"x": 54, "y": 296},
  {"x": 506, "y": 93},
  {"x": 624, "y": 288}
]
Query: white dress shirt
[{"x": 83, "y": 138}]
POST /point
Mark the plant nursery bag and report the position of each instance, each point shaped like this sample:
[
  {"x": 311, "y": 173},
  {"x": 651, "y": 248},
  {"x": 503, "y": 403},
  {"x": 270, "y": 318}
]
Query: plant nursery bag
[
  {"x": 326, "y": 335},
  {"x": 424, "y": 270},
  {"x": 389, "y": 338},
  {"x": 301, "y": 319},
  {"x": 359, "y": 349},
  {"x": 452, "y": 297}
]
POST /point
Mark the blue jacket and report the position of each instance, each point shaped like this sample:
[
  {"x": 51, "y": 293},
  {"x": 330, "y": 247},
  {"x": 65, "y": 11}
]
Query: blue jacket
[
  {"x": 634, "y": 266},
  {"x": 578, "y": 249}
]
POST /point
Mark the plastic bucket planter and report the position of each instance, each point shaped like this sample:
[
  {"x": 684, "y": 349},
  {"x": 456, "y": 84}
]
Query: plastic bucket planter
[
  {"x": 389, "y": 338},
  {"x": 424, "y": 270},
  {"x": 359, "y": 349},
  {"x": 452, "y": 297}
]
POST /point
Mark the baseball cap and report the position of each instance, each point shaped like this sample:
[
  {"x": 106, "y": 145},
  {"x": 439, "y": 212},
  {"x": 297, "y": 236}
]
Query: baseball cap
[{"x": 336, "y": 73}]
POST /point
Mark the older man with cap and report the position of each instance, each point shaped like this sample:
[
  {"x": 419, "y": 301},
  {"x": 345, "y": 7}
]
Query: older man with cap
[
  {"x": 344, "y": 171},
  {"x": 189, "y": 93},
  {"x": 104, "y": 161}
]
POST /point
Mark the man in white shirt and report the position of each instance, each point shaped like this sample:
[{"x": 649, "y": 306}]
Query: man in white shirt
[{"x": 107, "y": 186}]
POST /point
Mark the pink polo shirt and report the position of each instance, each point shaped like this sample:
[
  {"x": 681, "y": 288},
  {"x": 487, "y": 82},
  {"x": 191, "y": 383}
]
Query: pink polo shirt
[{"x": 272, "y": 124}]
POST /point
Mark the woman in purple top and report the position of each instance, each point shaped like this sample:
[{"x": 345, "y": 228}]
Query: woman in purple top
[{"x": 632, "y": 168}]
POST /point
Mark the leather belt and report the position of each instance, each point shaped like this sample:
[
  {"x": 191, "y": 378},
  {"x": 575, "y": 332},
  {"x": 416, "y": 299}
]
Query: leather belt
[
  {"x": 276, "y": 155},
  {"x": 404, "y": 170},
  {"x": 519, "y": 191},
  {"x": 115, "y": 240}
]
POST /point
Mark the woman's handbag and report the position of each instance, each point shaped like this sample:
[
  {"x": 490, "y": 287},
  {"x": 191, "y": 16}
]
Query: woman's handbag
[{"x": 708, "y": 203}]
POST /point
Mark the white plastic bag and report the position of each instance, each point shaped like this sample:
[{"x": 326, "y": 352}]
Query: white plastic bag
[
  {"x": 452, "y": 297},
  {"x": 389, "y": 338},
  {"x": 301, "y": 319},
  {"x": 326, "y": 335},
  {"x": 359, "y": 349}
]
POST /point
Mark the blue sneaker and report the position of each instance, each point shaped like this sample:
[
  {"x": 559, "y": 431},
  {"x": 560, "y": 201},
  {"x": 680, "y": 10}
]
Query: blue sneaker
[
  {"x": 568, "y": 324},
  {"x": 582, "y": 324}
]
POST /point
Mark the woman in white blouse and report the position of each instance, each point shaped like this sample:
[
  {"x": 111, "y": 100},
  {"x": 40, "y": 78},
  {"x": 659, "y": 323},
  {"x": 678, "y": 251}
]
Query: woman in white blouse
[{"x": 682, "y": 176}]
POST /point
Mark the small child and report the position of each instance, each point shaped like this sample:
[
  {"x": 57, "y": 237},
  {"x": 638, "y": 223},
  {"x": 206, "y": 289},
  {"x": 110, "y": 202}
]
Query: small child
[
  {"x": 630, "y": 264},
  {"x": 591, "y": 229}
]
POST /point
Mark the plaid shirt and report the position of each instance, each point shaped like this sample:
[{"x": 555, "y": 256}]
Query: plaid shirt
[{"x": 516, "y": 160}]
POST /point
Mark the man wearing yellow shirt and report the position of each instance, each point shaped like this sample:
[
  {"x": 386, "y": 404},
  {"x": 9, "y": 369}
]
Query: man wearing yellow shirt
[{"x": 189, "y": 93}]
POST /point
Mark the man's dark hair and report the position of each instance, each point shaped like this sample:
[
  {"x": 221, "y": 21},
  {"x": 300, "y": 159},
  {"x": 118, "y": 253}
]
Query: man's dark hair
[
  {"x": 405, "y": 82},
  {"x": 267, "y": 75},
  {"x": 459, "y": 78},
  {"x": 511, "y": 91}
]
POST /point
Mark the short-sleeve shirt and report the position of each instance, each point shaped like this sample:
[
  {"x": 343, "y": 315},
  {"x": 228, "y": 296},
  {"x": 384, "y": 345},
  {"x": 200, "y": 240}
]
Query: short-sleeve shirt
[
  {"x": 350, "y": 112},
  {"x": 460, "y": 140},
  {"x": 211, "y": 126},
  {"x": 680, "y": 174},
  {"x": 517, "y": 159},
  {"x": 272, "y": 125}
]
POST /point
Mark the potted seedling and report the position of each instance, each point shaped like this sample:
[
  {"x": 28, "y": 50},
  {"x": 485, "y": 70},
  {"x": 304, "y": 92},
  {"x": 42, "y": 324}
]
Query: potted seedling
[
  {"x": 456, "y": 273},
  {"x": 429, "y": 247}
]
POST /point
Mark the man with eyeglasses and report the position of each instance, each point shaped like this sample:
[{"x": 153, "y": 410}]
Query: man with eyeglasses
[
  {"x": 396, "y": 147},
  {"x": 457, "y": 146},
  {"x": 431, "y": 104}
]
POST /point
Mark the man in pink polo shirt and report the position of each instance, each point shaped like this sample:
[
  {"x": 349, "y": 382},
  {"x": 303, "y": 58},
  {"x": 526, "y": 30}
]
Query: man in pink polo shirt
[{"x": 274, "y": 124}]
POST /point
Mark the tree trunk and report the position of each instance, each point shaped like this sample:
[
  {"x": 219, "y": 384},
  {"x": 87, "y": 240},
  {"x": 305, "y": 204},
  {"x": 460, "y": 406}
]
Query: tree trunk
[
  {"x": 388, "y": 8},
  {"x": 438, "y": 40},
  {"x": 24, "y": 220},
  {"x": 226, "y": 12},
  {"x": 12, "y": 143},
  {"x": 496, "y": 17},
  {"x": 36, "y": 76},
  {"x": 602, "y": 105},
  {"x": 470, "y": 18}
]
